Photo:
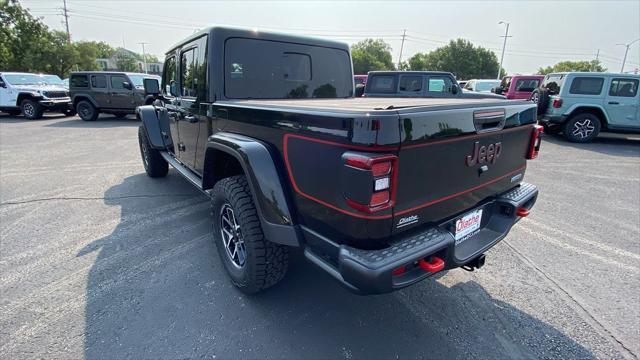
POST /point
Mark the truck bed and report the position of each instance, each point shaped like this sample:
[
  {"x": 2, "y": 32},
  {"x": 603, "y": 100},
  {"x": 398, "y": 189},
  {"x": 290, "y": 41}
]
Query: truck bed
[{"x": 360, "y": 105}]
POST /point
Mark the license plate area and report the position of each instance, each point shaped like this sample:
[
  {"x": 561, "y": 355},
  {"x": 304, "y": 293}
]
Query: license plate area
[{"x": 467, "y": 225}]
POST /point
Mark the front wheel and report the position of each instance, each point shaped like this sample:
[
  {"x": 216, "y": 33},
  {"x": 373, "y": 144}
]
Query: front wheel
[
  {"x": 87, "y": 111},
  {"x": 252, "y": 262},
  {"x": 582, "y": 128},
  {"x": 154, "y": 164},
  {"x": 31, "y": 109}
]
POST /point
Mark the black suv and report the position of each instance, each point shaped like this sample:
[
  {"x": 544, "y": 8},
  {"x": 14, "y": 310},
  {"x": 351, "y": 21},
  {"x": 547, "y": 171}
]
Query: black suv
[{"x": 116, "y": 93}]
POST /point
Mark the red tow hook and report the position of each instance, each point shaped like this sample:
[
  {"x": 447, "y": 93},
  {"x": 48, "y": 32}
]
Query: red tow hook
[
  {"x": 522, "y": 212},
  {"x": 434, "y": 266}
]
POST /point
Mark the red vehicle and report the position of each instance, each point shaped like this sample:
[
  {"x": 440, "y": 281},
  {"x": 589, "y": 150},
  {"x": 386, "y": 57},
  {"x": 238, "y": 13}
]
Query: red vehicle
[
  {"x": 360, "y": 79},
  {"x": 518, "y": 86}
]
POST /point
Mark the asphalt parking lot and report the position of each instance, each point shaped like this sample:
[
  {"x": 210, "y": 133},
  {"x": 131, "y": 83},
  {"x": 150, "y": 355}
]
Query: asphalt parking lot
[{"x": 99, "y": 261}]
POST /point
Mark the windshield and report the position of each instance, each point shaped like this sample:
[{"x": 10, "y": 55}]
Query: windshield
[
  {"x": 486, "y": 85},
  {"x": 23, "y": 79},
  {"x": 138, "y": 80},
  {"x": 51, "y": 80}
]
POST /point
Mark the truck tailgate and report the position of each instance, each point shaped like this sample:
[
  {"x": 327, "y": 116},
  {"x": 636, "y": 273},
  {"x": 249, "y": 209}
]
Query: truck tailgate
[{"x": 452, "y": 160}]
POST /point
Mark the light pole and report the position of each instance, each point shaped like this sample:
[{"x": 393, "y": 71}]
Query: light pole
[
  {"x": 504, "y": 45},
  {"x": 144, "y": 57},
  {"x": 624, "y": 60}
]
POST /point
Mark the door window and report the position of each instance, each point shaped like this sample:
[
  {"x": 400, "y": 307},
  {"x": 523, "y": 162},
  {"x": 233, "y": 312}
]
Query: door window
[
  {"x": 586, "y": 85},
  {"x": 411, "y": 83},
  {"x": 623, "y": 87},
  {"x": 527, "y": 85},
  {"x": 117, "y": 82},
  {"x": 188, "y": 80},
  {"x": 440, "y": 84},
  {"x": 169, "y": 75},
  {"x": 98, "y": 81}
]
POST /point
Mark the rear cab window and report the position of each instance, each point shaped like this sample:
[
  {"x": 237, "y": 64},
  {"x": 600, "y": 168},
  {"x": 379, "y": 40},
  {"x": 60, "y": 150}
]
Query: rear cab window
[
  {"x": 586, "y": 85},
  {"x": 623, "y": 87},
  {"x": 285, "y": 70},
  {"x": 79, "y": 81}
]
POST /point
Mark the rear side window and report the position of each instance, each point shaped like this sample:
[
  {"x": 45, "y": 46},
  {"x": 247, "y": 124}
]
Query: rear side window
[
  {"x": 410, "y": 83},
  {"x": 79, "y": 81},
  {"x": 527, "y": 85},
  {"x": 623, "y": 87},
  {"x": 382, "y": 84},
  {"x": 98, "y": 81},
  {"x": 117, "y": 82},
  {"x": 586, "y": 85},
  {"x": 441, "y": 84},
  {"x": 260, "y": 69}
]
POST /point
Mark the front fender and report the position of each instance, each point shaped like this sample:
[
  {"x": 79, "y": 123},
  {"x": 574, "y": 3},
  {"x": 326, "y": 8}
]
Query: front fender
[
  {"x": 266, "y": 184},
  {"x": 155, "y": 121}
]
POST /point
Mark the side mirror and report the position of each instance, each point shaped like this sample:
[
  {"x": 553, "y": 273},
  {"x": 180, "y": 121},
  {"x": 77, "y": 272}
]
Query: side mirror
[
  {"x": 151, "y": 86},
  {"x": 2, "y": 84},
  {"x": 496, "y": 90},
  {"x": 455, "y": 89},
  {"x": 127, "y": 85}
]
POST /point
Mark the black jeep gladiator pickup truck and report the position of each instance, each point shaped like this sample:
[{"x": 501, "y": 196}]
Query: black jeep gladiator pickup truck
[{"x": 379, "y": 192}]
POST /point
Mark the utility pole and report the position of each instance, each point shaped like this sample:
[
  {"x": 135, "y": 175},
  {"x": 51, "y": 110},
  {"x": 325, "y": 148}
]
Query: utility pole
[
  {"x": 504, "y": 45},
  {"x": 624, "y": 60},
  {"x": 144, "y": 56},
  {"x": 66, "y": 21},
  {"x": 593, "y": 68},
  {"x": 404, "y": 35}
]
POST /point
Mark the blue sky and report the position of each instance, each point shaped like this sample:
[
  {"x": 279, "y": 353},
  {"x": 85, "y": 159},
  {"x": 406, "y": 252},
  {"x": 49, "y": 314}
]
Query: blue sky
[{"x": 543, "y": 32}]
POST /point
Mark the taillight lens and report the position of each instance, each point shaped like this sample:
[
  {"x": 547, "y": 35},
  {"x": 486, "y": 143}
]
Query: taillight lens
[
  {"x": 534, "y": 145},
  {"x": 557, "y": 103},
  {"x": 383, "y": 171}
]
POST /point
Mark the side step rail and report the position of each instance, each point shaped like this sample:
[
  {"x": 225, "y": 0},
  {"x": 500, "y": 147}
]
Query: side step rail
[{"x": 182, "y": 169}]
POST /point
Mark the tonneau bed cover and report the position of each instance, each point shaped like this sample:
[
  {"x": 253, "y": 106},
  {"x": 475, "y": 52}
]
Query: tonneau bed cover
[{"x": 368, "y": 104}]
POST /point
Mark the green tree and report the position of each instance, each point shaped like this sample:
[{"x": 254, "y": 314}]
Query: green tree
[
  {"x": 61, "y": 55},
  {"x": 459, "y": 57},
  {"x": 126, "y": 62},
  {"x": 588, "y": 66},
  {"x": 371, "y": 54},
  {"x": 24, "y": 40}
]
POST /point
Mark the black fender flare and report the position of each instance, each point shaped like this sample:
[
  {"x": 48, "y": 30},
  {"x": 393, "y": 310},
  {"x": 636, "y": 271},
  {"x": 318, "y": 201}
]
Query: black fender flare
[
  {"x": 155, "y": 121},
  {"x": 84, "y": 96},
  {"x": 267, "y": 187},
  {"x": 27, "y": 95}
]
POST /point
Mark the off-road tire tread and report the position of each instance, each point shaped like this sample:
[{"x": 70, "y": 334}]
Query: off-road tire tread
[
  {"x": 269, "y": 260},
  {"x": 157, "y": 166},
  {"x": 568, "y": 127},
  {"x": 39, "y": 111}
]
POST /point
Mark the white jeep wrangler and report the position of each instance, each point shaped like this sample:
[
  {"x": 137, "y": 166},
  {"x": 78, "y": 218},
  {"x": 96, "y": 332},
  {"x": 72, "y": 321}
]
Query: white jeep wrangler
[{"x": 33, "y": 94}]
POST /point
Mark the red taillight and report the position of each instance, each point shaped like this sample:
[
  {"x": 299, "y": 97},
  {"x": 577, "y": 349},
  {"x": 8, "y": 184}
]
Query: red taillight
[
  {"x": 534, "y": 145},
  {"x": 384, "y": 171},
  {"x": 557, "y": 103}
]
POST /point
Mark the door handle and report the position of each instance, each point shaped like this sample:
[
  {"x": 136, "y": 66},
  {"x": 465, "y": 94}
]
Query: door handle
[
  {"x": 614, "y": 103},
  {"x": 191, "y": 118}
]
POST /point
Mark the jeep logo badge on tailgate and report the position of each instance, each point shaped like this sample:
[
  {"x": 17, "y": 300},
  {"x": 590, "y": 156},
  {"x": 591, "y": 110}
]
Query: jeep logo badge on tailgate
[{"x": 486, "y": 153}]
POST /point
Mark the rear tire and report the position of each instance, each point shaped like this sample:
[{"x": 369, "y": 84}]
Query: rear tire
[
  {"x": 252, "y": 262},
  {"x": 154, "y": 164},
  {"x": 582, "y": 128},
  {"x": 31, "y": 109},
  {"x": 87, "y": 111}
]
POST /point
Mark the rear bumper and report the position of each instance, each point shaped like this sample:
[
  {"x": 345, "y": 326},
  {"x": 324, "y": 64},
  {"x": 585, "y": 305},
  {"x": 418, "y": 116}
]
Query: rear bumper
[{"x": 372, "y": 271}]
